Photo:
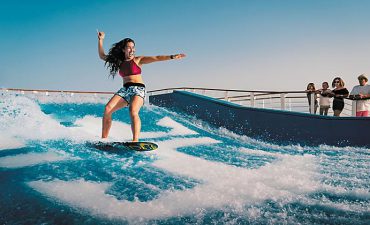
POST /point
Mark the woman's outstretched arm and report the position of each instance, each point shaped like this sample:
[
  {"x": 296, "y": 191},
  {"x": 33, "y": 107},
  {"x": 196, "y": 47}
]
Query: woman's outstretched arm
[
  {"x": 150, "y": 59},
  {"x": 102, "y": 55}
]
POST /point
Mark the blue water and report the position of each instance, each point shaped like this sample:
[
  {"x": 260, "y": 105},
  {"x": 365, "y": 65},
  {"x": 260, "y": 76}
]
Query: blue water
[{"x": 199, "y": 174}]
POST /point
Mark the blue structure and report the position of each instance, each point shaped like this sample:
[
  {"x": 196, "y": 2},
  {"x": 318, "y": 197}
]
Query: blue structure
[{"x": 276, "y": 126}]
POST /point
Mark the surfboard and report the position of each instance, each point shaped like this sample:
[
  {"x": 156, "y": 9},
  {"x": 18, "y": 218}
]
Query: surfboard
[{"x": 117, "y": 146}]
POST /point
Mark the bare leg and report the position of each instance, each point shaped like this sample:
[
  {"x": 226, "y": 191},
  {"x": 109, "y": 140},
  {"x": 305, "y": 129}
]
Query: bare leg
[
  {"x": 326, "y": 111},
  {"x": 322, "y": 111},
  {"x": 114, "y": 104},
  {"x": 135, "y": 106},
  {"x": 337, "y": 112}
]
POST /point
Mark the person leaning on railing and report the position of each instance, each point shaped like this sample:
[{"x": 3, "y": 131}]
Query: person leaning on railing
[
  {"x": 361, "y": 94},
  {"x": 311, "y": 92},
  {"x": 325, "y": 95},
  {"x": 340, "y": 92}
]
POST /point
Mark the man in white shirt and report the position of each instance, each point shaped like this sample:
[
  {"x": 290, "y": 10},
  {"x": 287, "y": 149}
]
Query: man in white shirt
[{"x": 362, "y": 95}]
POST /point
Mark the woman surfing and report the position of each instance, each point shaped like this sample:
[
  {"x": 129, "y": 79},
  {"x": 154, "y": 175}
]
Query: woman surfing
[{"x": 121, "y": 59}]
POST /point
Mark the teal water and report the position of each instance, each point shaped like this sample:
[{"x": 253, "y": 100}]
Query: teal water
[{"x": 198, "y": 175}]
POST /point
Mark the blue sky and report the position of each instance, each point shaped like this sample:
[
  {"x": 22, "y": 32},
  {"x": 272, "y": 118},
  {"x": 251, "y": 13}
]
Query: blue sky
[{"x": 238, "y": 44}]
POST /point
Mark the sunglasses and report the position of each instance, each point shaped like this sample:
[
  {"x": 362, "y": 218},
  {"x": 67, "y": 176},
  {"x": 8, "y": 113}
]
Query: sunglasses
[{"x": 336, "y": 82}]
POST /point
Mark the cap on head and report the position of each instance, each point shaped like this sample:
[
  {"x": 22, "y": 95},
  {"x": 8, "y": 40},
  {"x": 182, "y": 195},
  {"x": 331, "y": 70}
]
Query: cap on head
[{"x": 362, "y": 76}]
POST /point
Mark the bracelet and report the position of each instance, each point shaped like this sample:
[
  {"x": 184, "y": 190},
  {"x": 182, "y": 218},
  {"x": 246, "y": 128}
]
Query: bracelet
[{"x": 172, "y": 56}]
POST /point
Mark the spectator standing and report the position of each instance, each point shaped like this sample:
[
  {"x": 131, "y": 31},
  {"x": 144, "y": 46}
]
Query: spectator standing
[
  {"x": 311, "y": 92},
  {"x": 340, "y": 92},
  {"x": 325, "y": 94},
  {"x": 359, "y": 93}
]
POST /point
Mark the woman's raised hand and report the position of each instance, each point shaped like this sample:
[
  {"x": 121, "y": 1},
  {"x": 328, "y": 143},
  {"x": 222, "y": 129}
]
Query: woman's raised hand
[
  {"x": 179, "y": 56},
  {"x": 101, "y": 35}
]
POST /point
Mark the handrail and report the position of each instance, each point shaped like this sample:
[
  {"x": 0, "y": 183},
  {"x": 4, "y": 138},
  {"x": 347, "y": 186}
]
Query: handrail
[
  {"x": 57, "y": 91},
  {"x": 260, "y": 98},
  {"x": 167, "y": 89},
  {"x": 263, "y": 92},
  {"x": 257, "y": 98},
  {"x": 217, "y": 89}
]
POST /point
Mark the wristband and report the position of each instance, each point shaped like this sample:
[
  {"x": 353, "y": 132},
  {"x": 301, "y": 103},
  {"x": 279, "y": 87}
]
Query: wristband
[{"x": 172, "y": 56}]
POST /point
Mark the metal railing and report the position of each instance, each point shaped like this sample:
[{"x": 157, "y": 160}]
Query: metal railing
[
  {"x": 46, "y": 92},
  {"x": 60, "y": 96},
  {"x": 279, "y": 100}
]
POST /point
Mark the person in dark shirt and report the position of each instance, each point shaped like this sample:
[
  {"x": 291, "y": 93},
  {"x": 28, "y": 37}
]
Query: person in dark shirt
[{"x": 339, "y": 92}]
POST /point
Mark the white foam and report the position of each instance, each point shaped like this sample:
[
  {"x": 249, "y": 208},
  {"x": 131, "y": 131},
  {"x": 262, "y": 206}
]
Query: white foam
[
  {"x": 220, "y": 185},
  {"x": 229, "y": 185},
  {"x": 352, "y": 192},
  {"x": 7, "y": 142},
  {"x": 78, "y": 193},
  {"x": 259, "y": 152},
  {"x": 177, "y": 128},
  {"x": 323, "y": 202},
  {"x": 22, "y": 118},
  {"x": 89, "y": 128},
  {"x": 61, "y": 97},
  {"x": 30, "y": 159}
]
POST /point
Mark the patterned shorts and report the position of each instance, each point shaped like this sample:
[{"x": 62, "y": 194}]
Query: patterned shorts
[{"x": 130, "y": 90}]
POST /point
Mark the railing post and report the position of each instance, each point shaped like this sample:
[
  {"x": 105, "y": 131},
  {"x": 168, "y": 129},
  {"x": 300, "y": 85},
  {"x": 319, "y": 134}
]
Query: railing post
[
  {"x": 354, "y": 107},
  {"x": 226, "y": 96},
  {"x": 252, "y": 99},
  {"x": 312, "y": 103},
  {"x": 282, "y": 101}
]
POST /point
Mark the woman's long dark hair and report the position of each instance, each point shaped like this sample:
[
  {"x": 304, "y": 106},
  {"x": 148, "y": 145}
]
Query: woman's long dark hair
[{"x": 116, "y": 56}]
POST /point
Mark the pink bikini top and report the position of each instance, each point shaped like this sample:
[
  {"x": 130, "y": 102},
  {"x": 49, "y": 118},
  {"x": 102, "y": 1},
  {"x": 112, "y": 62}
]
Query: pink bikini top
[{"x": 129, "y": 68}]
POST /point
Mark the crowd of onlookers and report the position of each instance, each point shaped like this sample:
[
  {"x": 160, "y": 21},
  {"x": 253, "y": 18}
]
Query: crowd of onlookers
[{"x": 360, "y": 93}]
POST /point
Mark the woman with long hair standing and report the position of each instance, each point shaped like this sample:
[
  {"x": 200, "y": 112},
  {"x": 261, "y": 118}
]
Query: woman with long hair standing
[
  {"x": 121, "y": 59},
  {"x": 340, "y": 92}
]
